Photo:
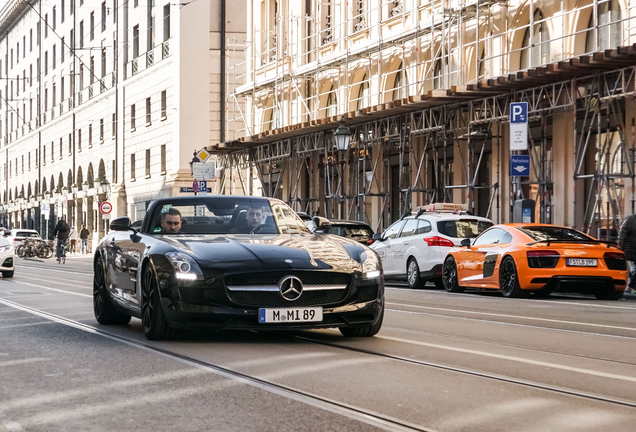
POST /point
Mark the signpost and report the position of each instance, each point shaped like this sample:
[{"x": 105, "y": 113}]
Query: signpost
[
  {"x": 204, "y": 171},
  {"x": 105, "y": 208},
  {"x": 519, "y": 126},
  {"x": 519, "y": 165},
  {"x": 45, "y": 207}
]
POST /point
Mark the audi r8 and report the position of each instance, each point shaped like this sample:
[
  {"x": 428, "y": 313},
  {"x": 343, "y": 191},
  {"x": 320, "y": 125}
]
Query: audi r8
[
  {"x": 234, "y": 262},
  {"x": 523, "y": 258}
]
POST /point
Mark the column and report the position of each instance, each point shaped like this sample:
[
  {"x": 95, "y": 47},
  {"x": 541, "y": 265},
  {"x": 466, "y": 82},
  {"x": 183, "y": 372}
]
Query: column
[{"x": 563, "y": 168}]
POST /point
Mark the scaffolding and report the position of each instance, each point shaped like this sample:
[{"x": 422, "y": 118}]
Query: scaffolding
[{"x": 429, "y": 116}]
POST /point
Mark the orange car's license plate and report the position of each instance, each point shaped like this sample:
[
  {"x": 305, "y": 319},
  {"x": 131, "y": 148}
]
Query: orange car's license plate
[{"x": 582, "y": 262}]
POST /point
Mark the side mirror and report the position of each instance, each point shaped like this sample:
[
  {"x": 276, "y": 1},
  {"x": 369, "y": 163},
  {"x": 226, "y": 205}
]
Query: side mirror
[
  {"x": 121, "y": 224},
  {"x": 377, "y": 237},
  {"x": 321, "y": 223},
  {"x": 466, "y": 243}
]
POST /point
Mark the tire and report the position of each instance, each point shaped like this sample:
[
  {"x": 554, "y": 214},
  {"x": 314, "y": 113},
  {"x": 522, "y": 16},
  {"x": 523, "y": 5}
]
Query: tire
[
  {"x": 413, "y": 274},
  {"x": 7, "y": 274},
  {"x": 508, "y": 279},
  {"x": 449, "y": 276},
  {"x": 154, "y": 321},
  {"x": 367, "y": 331},
  {"x": 439, "y": 283},
  {"x": 609, "y": 295},
  {"x": 105, "y": 312},
  {"x": 20, "y": 251}
]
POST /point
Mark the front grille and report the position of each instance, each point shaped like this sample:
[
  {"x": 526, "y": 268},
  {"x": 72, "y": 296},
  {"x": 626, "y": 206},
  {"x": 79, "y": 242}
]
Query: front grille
[
  {"x": 272, "y": 278},
  {"x": 8, "y": 262},
  {"x": 274, "y": 298}
]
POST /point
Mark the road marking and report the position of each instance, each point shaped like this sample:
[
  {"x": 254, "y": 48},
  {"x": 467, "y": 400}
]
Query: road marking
[
  {"x": 511, "y": 358},
  {"x": 22, "y": 361},
  {"x": 475, "y": 298},
  {"x": 511, "y": 324},
  {"x": 54, "y": 270},
  {"x": 53, "y": 282},
  {"x": 51, "y": 289},
  {"x": 515, "y": 316}
]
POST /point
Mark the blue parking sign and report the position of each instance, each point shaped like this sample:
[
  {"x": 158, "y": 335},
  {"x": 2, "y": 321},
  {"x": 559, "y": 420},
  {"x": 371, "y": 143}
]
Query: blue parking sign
[
  {"x": 519, "y": 112},
  {"x": 203, "y": 186},
  {"x": 519, "y": 165}
]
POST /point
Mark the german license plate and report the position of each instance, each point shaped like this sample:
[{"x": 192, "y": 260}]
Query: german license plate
[
  {"x": 582, "y": 262},
  {"x": 290, "y": 315}
]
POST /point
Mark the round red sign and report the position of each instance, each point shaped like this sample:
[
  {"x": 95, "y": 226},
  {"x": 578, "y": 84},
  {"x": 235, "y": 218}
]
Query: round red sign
[{"x": 106, "y": 207}]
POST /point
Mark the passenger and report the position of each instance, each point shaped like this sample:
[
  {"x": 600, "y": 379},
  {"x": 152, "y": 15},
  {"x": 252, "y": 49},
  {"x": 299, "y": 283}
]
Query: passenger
[
  {"x": 627, "y": 242},
  {"x": 171, "y": 221}
]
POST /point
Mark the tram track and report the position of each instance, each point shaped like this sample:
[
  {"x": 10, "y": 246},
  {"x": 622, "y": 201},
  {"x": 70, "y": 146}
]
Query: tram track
[
  {"x": 356, "y": 413},
  {"x": 304, "y": 338}
]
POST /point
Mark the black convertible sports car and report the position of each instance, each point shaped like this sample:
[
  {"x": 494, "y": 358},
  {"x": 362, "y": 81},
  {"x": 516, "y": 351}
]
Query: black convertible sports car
[{"x": 234, "y": 262}]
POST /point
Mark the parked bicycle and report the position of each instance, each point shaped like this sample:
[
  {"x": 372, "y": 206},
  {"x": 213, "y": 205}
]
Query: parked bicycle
[{"x": 34, "y": 248}]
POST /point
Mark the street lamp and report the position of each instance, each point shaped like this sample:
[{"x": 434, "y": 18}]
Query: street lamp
[
  {"x": 104, "y": 187},
  {"x": 192, "y": 162},
  {"x": 57, "y": 194},
  {"x": 342, "y": 136},
  {"x": 74, "y": 188}
]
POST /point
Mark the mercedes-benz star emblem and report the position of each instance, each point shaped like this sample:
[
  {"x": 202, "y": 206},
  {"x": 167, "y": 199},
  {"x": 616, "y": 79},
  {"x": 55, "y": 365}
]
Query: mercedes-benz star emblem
[{"x": 290, "y": 288}]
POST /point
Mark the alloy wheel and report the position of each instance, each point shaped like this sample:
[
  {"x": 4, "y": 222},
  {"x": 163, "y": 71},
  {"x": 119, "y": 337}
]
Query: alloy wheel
[
  {"x": 508, "y": 277},
  {"x": 450, "y": 273},
  {"x": 412, "y": 272},
  {"x": 147, "y": 293}
]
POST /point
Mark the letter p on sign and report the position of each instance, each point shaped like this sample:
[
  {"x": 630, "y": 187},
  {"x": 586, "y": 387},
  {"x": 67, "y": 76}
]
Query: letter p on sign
[{"x": 519, "y": 112}]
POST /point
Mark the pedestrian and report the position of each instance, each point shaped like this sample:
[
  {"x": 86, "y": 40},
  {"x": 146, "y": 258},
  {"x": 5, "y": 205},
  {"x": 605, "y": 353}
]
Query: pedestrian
[
  {"x": 61, "y": 233},
  {"x": 74, "y": 236},
  {"x": 84, "y": 233},
  {"x": 627, "y": 241}
]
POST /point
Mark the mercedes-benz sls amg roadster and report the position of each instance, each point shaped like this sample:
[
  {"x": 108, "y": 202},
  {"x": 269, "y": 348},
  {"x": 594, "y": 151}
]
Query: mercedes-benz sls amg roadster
[
  {"x": 524, "y": 258},
  {"x": 234, "y": 262}
]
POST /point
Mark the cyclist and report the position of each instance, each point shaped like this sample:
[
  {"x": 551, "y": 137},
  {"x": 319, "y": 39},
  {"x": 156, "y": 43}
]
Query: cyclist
[{"x": 61, "y": 232}]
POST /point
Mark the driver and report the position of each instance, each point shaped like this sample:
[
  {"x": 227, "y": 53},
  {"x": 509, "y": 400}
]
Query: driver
[
  {"x": 254, "y": 217},
  {"x": 171, "y": 221}
]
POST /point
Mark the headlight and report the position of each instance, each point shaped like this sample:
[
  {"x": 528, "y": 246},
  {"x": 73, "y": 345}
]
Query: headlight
[
  {"x": 371, "y": 266},
  {"x": 6, "y": 248},
  {"x": 185, "y": 267}
]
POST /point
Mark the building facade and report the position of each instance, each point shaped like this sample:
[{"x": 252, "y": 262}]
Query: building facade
[
  {"x": 425, "y": 88},
  {"x": 106, "y": 101}
]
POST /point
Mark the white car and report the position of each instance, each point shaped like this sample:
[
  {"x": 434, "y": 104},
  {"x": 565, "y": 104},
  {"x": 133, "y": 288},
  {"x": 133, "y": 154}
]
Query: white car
[
  {"x": 7, "y": 258},
  {"x": 17, "y": 236},
  {"x": 414, "y": 248}
]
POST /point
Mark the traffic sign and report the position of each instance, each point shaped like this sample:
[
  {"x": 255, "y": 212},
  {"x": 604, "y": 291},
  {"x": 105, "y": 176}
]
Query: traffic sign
[
  {"x": 519, "y": 165},
  {"x": 105, "y": 207},
  {"x": 204, "y": 171},
  {"x": 519, "y": 126},
  {"x": 203, "y": 186},
  {"x": 195, "y": 186},
  {"x": 203, "y": 155},
  {"x": 185, "y": 189}
]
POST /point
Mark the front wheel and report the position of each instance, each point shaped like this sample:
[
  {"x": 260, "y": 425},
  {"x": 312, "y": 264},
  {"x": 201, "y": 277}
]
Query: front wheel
[
  {"x": 450, "y": 277},
  {"x": 105, "y": 312},
  {"x": 20, "y": 251},
  {"x": 154, "y": 321},
  {"x": 508, "y": 279},
  {"x": 413, "y": 274},
  {"x": 367, "y": 331}
]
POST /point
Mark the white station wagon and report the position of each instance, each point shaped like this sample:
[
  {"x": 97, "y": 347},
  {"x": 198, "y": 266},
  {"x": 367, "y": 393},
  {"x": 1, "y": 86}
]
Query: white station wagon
[{"x": 414, "y": 248}]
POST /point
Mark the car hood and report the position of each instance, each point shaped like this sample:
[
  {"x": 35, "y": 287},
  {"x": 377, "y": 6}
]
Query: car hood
[{"x": 272, "y": 252}]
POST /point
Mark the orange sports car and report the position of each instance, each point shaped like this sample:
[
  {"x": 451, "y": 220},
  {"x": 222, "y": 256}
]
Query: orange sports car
[{"x": 524, "y": 258}]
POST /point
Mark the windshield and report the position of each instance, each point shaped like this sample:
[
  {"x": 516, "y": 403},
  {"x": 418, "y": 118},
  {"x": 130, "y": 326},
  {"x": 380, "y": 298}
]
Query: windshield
[
  {"x": 232, "y": 215},
  {"x": 355, "y": 232},
  {"x": 27, "y": 234},
  {"x": 463, "y": 228},
  {"x": 541, "y": 233}
]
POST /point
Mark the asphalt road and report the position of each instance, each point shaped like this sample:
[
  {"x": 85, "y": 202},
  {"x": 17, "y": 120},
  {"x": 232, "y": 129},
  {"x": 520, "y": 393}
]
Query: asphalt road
[{"x": 442, "y": 362}]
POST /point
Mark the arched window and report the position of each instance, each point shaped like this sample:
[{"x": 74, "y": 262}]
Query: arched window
[
  {"x": 609, "y": 28},
  {"x": 332, "y": 103},
  {"x": 364, "y": 95},
  {"x": 539, "y": 53},
  {"x": 401, "y": 84}
]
